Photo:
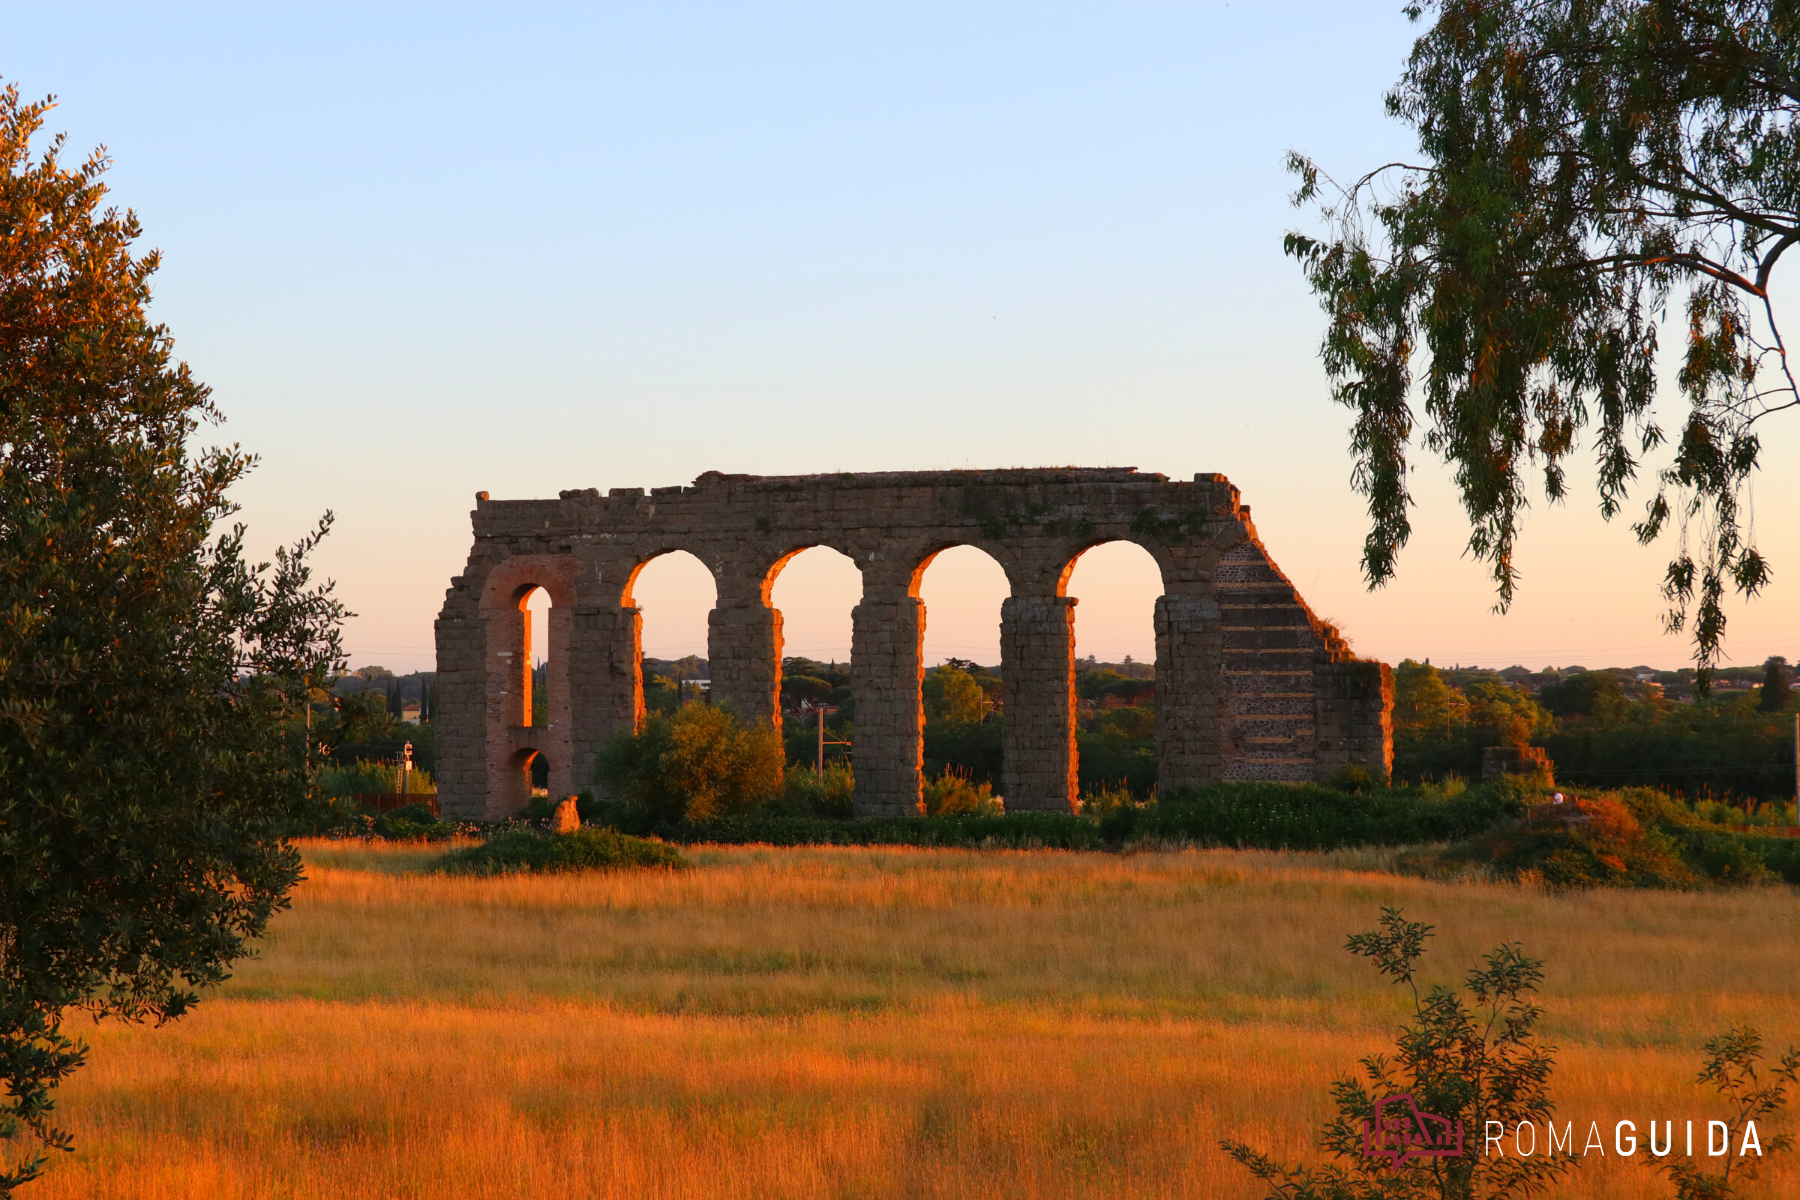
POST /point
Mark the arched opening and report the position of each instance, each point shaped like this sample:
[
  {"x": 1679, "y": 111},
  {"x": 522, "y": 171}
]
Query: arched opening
[
  {"x": 528, "y": 609},
  {"x": 814, "y": 592},
  {"x": 527, "y": 776},
  {"x": 962, "y": 588},
  {"x": 536, "y": 692},
  {"x": 674, "y": 592},
  {"x": 1117, "y": 584}
]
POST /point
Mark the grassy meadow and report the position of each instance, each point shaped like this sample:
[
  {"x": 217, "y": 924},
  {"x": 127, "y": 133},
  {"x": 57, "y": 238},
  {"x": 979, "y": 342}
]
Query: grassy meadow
[{"x": 855, "y": 1022}]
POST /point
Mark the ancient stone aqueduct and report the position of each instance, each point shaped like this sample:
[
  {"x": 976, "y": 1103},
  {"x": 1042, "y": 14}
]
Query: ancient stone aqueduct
[{"x": 1249, "y": 683}]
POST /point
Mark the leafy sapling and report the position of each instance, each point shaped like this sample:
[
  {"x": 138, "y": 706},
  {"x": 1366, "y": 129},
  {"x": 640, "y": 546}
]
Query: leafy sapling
[
  {"x": 1753, "y": 1097},
  {"x": 1468, "y": 1056}
]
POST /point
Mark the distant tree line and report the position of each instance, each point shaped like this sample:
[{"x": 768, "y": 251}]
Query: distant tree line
[{"x": 1602, "y": 728}]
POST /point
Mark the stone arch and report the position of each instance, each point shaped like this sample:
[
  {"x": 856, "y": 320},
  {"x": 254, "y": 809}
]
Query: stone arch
[
  {"x": 833, "y": 559},
  {"x": 1226, "y": 613},
  {"x": 1100, "y": 597},
  {"x": 772, "y": 571},
  {"x": 507, "y": 626},
  {"x": 629, "y": 636},
  {"x": 766, "y": 572},
  {"x": 638, "y": 561},
  {"x": 1160, "y": 553},
  {"x": 916, "y": 582},
  {"x": 928, "y": 554},
  {"x": 888, "y": 664},
  {"x": 516, "y": 783}
]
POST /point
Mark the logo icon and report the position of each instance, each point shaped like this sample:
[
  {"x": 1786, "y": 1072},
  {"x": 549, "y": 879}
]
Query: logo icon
[{"x": 1400, "y": 1133}]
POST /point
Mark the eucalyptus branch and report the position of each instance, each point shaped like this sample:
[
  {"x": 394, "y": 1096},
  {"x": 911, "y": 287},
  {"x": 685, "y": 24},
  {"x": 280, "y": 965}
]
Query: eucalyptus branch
[{"x": 1578, "y": 163}]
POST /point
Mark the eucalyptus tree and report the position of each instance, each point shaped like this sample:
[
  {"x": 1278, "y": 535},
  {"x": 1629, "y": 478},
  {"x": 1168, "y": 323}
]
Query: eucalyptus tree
[
  {"x": 1583, "y": 167},
  {"x": 154, "y": 682}
]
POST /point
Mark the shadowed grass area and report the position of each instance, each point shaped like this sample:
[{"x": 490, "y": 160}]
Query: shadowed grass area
[{"x": 871, "y": 1022}]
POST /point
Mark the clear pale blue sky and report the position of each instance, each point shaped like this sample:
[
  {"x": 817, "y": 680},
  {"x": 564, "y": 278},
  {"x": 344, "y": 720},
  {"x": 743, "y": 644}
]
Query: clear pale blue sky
[{"x": 421, "y": 252}]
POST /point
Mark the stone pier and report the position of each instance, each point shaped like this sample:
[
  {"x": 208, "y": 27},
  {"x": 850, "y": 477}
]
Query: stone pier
[{"x": 1249, "y": 683}]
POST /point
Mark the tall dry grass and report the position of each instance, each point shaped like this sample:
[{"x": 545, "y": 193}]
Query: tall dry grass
[{"x": 857, "y": 1022}]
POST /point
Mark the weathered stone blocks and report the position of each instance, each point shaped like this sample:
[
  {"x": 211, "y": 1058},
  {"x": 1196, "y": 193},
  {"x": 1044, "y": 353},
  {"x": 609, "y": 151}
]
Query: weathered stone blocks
[{"x": 1249, "y": 683}]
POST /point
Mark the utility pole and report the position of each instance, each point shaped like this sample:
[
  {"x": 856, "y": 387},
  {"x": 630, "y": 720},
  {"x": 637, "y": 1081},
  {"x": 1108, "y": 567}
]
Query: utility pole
[
  {"x": 822, "y": 709},
  {"x": 1797, "y": 768}
]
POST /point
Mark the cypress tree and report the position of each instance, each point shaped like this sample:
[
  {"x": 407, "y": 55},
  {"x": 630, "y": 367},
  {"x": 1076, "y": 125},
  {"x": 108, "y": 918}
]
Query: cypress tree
[{"x": 1776, "y": 690}]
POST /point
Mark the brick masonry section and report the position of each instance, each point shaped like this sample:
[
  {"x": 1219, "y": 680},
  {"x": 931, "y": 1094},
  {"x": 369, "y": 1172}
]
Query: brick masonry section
[{"x": 1250, "y": 684}]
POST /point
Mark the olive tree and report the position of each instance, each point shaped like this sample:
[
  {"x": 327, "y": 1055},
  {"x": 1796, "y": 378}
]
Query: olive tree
[{"x": 154, "y": 681}]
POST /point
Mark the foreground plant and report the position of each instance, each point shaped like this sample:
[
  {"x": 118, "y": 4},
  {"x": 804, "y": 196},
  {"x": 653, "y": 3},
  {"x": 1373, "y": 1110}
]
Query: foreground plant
[
  {"x": 153, "y": 681},
  {"x": 1465, "y": 1061},
  {"x": 1731, "y": 1070}
]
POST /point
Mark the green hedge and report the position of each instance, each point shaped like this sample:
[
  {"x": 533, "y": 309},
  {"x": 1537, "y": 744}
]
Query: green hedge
[
  {"x": 582, "y": 850},
  {"x": 1780, "y": 856},
  {"x": 1271, "y": 816},
  {"x": 1025, "y": 830},
  {"x": 1290, "y": 816}
]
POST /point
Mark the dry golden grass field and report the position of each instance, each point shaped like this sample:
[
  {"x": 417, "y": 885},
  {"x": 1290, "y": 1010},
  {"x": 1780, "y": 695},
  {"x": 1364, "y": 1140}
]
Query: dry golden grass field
[{"x": 871, "y": 1023}]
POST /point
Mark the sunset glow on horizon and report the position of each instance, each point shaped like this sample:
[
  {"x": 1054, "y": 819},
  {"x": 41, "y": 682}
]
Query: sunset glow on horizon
[{"x": 419, "y": 253}]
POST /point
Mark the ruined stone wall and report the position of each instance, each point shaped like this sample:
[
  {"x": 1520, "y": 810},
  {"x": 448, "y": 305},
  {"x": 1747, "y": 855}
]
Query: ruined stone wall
[
  {"x": 1239, "y": 689},
  {"x": 1298, "y": 703},
  {"x": 1355, "y": 705}
]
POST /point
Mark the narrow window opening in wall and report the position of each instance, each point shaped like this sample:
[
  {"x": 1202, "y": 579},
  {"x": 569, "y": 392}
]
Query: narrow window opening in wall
[
  {"x": 963, "y": 588},
  {"x": 1117, "y": 584},
  {"x": 815, "y": 592},
  {"x": 675, "y": 593},
  {"x": 537, "y": 654}
]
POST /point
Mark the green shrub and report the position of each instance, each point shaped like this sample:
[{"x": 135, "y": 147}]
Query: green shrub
[
  {"x": 954, "y": 793},
  {"x": 1353, "y": 777},
  {"x": 583, "y": 850},
  {"x": 1118, "y": 749},
  {"x": 542, "y": 808},
  {"x": 694, "y": 765},
  {"x": 335, "y": 816},
  {"x": 1636, "y": 837},
  {"x": 1779, "y": 856},
  {"x": 407, "y": 821},
  {"x": 973, "y": 747},
  {"x": 1730, "y": 858},
  {"x": 1471, "y": 1054},
  {"x": 805, "y": 793},
  {"x": 1580, "y": 844},
  {"x": 363, "y": 777},
  {"x": 1709, "y": 843},
  {"x": 1055, "y": 831},
  {"x": 1305, "y": 816},
  {"x": 1099, "y": 803}
]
